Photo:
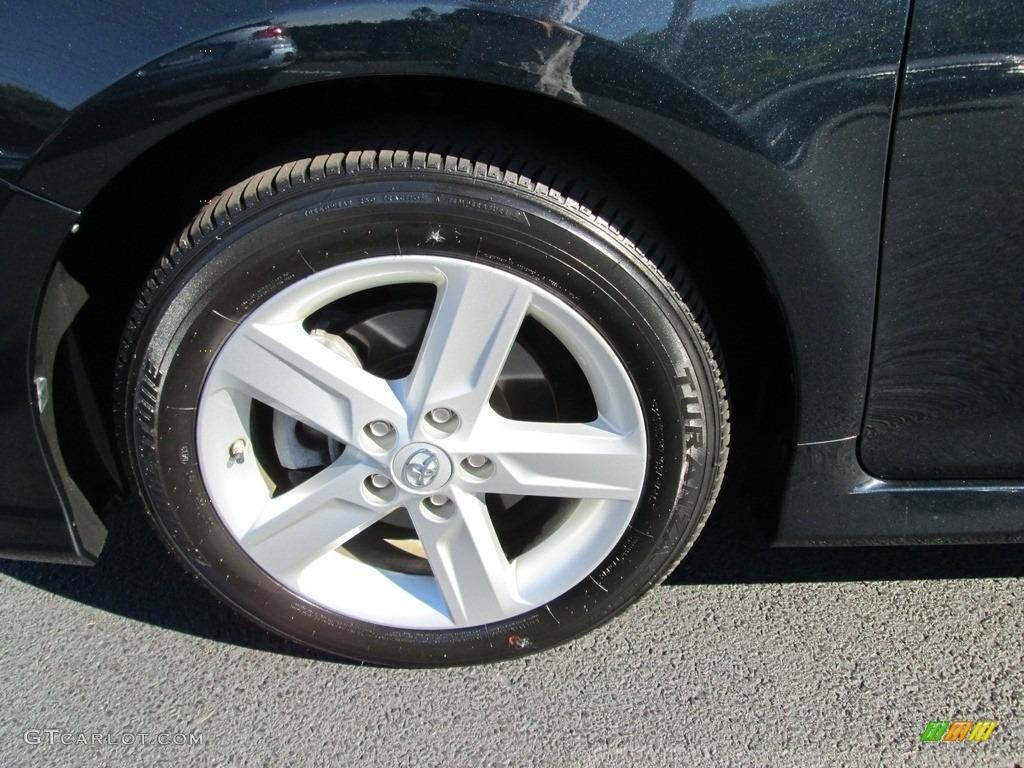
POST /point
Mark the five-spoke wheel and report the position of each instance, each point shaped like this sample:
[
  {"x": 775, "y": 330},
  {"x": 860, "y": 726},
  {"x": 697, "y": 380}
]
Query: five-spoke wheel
[{"x": 418, "y": 456}]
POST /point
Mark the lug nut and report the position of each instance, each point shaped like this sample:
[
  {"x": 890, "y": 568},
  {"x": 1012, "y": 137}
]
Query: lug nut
[
  {"x": 477, "y": 467},
  {"x": 443, "y": 421},
  {"x": 237, "y": 451},
  {"x": 378, "y": 436},
  {"x": 441, "y": 415},
  {"x": 378, "y": 489},
  {"x": 440, "y": 506}
]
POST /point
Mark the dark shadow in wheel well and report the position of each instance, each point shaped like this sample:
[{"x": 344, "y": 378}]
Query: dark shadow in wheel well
[{"x": 130, "y": 223}]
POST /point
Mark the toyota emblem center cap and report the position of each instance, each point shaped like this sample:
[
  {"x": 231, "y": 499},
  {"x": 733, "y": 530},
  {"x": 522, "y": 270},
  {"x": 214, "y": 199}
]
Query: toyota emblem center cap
[{"x": 421, "y": 468}]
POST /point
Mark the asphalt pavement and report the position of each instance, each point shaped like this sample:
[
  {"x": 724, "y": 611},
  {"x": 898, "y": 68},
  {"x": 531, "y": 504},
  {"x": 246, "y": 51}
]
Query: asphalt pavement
[{"x": 746, "y": 656}]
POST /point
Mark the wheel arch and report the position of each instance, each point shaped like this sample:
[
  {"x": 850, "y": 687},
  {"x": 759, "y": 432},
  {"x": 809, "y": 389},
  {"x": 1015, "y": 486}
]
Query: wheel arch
[{"x": 181, "y": 171}]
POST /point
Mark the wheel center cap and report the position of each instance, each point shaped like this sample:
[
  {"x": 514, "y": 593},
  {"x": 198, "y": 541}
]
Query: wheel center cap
[{"x": 421, "y": 468}]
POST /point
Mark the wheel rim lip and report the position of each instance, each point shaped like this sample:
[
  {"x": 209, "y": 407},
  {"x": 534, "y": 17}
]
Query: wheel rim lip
[{"x": 409, "y": 601}]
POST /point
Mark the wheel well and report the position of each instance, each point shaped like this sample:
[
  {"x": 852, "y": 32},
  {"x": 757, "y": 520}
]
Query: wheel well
[{"x": 130, "y": 223}]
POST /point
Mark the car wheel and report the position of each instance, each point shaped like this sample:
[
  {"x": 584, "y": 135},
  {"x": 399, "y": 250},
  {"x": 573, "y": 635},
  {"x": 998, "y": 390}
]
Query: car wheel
[{"x": 422, "y": 408}]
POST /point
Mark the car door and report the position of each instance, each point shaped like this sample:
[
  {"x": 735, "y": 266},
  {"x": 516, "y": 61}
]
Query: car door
[{"x": 946, "y": 394}]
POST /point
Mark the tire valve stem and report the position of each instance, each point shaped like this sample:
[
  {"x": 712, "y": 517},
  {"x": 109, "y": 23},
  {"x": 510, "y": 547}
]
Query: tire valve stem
[{"x": 237, "y": 451}]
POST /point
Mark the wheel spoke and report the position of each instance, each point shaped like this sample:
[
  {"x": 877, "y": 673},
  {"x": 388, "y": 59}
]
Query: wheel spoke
[
  {"x": 472, "y": 330},
  {"x": 475, "y": 578},
  {"x": 287, "y": 369},
  {"x": 580, "y": 461},
  {"x": 321, "y": 514}
]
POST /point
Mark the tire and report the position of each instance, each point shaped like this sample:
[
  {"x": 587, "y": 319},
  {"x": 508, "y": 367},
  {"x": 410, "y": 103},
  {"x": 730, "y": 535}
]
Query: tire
[{"x": 420, "y": 408}]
